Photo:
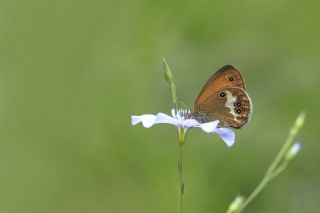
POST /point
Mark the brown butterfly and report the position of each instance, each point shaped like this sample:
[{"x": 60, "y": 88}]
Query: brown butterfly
[{"x": 224, "y": 98}]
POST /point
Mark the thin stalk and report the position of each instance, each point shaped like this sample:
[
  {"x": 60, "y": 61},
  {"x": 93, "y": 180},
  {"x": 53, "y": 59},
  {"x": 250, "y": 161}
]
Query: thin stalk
[
  {"x": 278, "y": 170},
  {"x": 257, "y": 190},
  {"x": 180, "y": 168},
  {"x": 292, "y": 133},
  {"x": 282, "y": 152},
  {"x": 279, "y": 163},
  {"x": 271, "y": 172}
]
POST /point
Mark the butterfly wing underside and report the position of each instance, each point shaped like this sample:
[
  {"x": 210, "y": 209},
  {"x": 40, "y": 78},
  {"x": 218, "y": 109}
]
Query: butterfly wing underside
[{"x": 224, "y": 98}]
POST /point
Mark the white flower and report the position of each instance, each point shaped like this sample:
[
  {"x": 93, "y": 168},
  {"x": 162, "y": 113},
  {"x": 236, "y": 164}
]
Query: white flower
[{"x": 183, "y": 123}]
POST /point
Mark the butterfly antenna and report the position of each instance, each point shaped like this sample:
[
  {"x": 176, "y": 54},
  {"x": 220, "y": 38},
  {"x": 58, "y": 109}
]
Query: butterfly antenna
[{"x": 182, "y": 103}]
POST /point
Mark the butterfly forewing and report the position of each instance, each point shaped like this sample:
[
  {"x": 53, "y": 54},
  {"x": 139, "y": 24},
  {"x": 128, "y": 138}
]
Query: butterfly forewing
[
  {"x": 226, "y": 77},
  {"x": 224, "y": 98}
]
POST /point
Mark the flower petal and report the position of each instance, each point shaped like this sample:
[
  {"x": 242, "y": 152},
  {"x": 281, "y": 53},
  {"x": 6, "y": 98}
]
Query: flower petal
[
  {"x": 173, "y": 113},
  {"x": 226, "y": 134},
  {"x": 209, "y": 127},
  {"x": 190, "y": 123},
  {"x": 135, "y": 120},
  {"x": 165, "y": 119},
  {"x": 147, "y": 120}
]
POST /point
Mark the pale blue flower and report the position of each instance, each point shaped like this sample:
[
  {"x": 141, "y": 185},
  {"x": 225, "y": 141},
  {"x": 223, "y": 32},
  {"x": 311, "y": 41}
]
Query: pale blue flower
[{"x": 183, "y": 123}]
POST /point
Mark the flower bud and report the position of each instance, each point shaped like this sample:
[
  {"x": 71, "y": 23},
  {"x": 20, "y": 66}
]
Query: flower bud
[
  {"x": 169, "y": 78},
  {"x": 293, "y": 151},
  {"x": 237, "y": 202},
  {"x": 167, "y": 72},
  {"x": 298, "y": 123}
]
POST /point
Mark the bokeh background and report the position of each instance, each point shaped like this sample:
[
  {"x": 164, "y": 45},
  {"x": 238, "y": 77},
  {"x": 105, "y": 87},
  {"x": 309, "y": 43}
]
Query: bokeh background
[{"x": 73, "y": 72}]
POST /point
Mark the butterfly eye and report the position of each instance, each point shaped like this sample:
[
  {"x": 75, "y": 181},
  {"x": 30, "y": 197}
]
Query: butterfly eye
[
  {"x": 222, "y": 94},
  {"x": 231, "y": 78},
  {"x": 238, "y": 111}
]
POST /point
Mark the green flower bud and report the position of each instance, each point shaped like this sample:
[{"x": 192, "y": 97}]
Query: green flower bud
[
  {"x": 293, "y": 151},
  {"x": 234, "y": 206}
]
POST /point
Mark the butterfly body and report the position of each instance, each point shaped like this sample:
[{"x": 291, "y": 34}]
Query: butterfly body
[{"x": 224, "y": 98}]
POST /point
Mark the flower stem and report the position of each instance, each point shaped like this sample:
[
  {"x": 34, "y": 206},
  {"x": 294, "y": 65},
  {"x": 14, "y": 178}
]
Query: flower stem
[
  {"x": 277, "y": 166},
  {"x": 180, "y": 168},
  {"x": 256, "y": 191},
  {"x": 281, "y": 154}
]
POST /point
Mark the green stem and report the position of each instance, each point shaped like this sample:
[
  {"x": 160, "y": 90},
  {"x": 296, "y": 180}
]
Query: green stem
[
  {"x": 180, "y": 168},
  {"x": 262, "y": 184},
  {"x": 278, "y": 170},
  {"x": 292, "y": 133},
  {"x": 278, "y": 164},
  {"x": 280, "y": 155},
  {"x": 257, "y": 190},
  {"x": 272, "y": 172}
]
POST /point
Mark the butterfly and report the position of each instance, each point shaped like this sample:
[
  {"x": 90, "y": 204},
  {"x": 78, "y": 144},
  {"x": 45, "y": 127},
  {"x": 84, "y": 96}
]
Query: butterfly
[{"x": 224, "y": 98}]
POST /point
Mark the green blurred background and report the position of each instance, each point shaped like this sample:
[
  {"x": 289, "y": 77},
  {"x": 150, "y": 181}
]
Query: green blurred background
[{"x": 73, "y": 72}]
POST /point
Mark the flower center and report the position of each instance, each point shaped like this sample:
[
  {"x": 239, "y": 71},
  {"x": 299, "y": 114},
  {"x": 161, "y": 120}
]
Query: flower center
[{"x": 181, "y": 114}]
